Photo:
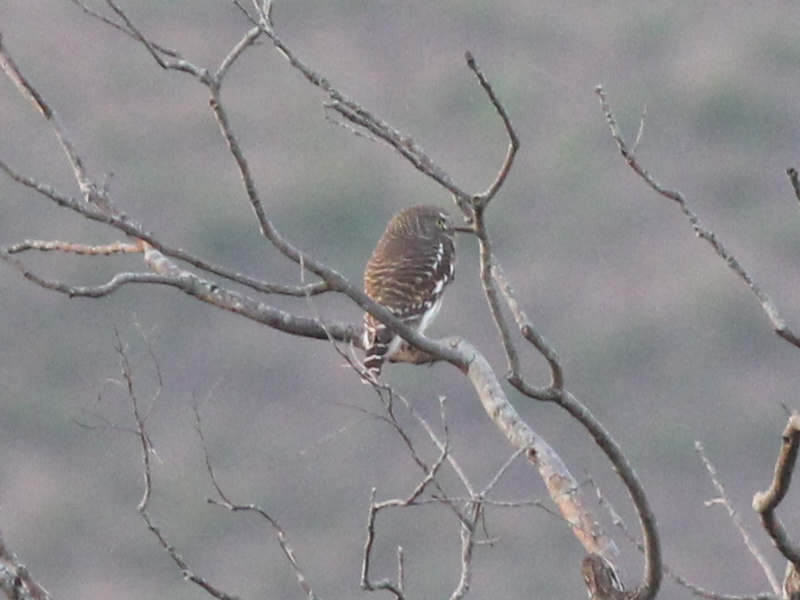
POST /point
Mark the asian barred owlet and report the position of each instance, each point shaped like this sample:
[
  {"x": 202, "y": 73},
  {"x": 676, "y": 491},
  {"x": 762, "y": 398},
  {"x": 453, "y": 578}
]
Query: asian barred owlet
[{"x": 407, "y": 273}]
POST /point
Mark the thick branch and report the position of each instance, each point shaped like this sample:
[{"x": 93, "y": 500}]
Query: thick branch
[
  {"x": 563, "y": 487},
  {"x": 765, "y": 503}
]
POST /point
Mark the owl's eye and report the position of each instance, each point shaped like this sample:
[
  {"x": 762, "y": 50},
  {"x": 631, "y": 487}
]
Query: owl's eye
[{"x": 441, "y": 222}]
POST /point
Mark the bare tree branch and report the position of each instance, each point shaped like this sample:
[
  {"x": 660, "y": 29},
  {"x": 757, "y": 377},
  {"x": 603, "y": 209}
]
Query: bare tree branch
[
  {"x": 765, "y": 503},
  {"x": 406, "y": 146},
  {"x": 15, "y": 580},
  {"x": 134, "y": 230},
  {"x": 91, "y": 192},
  {"x": 737, "y": 522},
  {"x": 481, "y": 200},
  {"x": 562, "y": 486},
  {"x": 74, "y": 247},
  {"x": 118, "y": 27},
  {"x": 226, "y": 503},
  {"x": 778, "y": 324},
  {"x": 147, "y": 451}
]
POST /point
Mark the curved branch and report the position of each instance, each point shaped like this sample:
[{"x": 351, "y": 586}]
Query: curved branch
[
  {"x": 95, "y": 291},
  {"x": 653, "y": 571},
  {"x": 765, "y": 503},
  {"x": 556, "y": 393}
]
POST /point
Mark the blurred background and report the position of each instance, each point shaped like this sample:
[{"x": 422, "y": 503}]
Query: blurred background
[{"x": 658, "y": 337}]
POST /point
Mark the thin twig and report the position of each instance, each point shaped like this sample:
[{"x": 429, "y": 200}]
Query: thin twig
[
  {"x": 481, "y": 200},
  {"x": 468, "y": 528},
  {"x": 226, "y": 503},
  {"x": 640, "y": 132},
  {"x": 737, "y": 522},
  {"x": 695, "y": 589},
  {"x": 92, "y": 193},
  {"x": 778, "y": 324},
  {"x": 490, "y": 290},
  {"x": 147, "y": 451},
  {"x": 500, "y": 472},
  {"x": 173, "y": 61},
  {"x": 118, "y": 27}
]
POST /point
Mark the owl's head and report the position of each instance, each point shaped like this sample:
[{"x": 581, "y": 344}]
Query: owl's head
[{"x": 422, "y": 221}]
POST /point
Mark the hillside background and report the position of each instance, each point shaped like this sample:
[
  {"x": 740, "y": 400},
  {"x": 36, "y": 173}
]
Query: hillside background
[{"x": 658, "y": 338}]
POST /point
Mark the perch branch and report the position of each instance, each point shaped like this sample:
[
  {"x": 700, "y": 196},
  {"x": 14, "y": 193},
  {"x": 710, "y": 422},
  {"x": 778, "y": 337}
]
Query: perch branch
[
  {"x": 563, "y": 488},
  {"x": 100, "y": 210}
]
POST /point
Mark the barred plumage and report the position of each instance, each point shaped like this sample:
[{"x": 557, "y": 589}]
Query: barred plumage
[{"x": 407, "y": 273}]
